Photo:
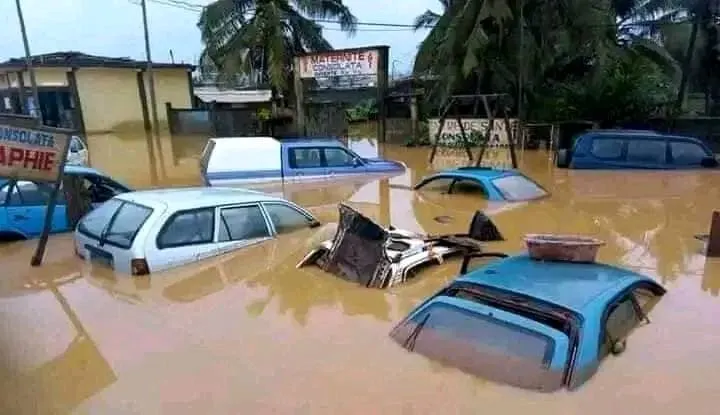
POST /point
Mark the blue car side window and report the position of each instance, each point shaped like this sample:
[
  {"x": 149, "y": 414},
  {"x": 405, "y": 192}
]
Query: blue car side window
[
  {"x": 338, "y": 157},
  {"x": 647, "y": 151},
  {"x": 607, "y": 148},
  {"x": 26, "y": 193}
]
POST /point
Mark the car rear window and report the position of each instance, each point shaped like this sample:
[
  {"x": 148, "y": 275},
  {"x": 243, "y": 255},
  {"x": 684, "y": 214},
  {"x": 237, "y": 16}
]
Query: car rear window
[
  {"x": 518, "y": 188},
  {"x": 127, "y": 223},
  {"x": 686, "y": 153},
  {"x": 481, "y": 345},
  {"x": 95, "y": 222}
]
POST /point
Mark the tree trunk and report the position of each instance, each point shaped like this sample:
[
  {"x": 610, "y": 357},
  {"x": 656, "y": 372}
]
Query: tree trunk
[{"x": 687, "y": 65}]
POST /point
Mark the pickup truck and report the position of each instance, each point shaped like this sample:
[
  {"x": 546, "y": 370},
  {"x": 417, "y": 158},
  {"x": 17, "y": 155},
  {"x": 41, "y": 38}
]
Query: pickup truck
[{"x": 243, "y": 160}]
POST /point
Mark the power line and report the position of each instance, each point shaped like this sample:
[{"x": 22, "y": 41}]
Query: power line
[{"x": 198, "y": 8}]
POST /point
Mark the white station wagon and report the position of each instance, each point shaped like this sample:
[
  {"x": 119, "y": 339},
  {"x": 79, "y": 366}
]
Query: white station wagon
[{"x": 153, "y": 230}]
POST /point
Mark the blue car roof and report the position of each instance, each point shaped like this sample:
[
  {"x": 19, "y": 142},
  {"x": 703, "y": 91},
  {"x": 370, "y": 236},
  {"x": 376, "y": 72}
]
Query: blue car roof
[
  {"x": 643, "y": 135},
  {"x": 573, "y": 286},
  {"x": 72, "y": 169},
  {"x": 478, "y": 173}
]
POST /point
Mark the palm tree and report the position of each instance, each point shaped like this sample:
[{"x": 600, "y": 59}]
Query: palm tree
[
  {"x": 429, "y": 18},
  {"x": 262, "y": 36}
]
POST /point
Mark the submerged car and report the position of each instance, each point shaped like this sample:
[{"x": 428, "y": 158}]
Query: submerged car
[
  {"x": 153, "y": 230},
  {"x": 267, "y": 160},
  {"x": 23, "y": 203},
  {"x": 635, "y": 149},
  {"x": 365, "y": 252},
  {"x": 493, "y": 184},
  {"x": 534, "y": 324}
]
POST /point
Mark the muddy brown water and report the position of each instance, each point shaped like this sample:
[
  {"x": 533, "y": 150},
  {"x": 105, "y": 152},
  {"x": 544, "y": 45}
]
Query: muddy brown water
[{"x": 249, "y": 333}]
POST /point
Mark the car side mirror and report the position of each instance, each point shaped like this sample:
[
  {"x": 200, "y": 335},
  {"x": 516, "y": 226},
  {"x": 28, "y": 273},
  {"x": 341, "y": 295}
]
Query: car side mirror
[
  {"x": 709, "y": 162},
  {"x": 357, "y": 162},
  {"x": 618, "y": 347}
]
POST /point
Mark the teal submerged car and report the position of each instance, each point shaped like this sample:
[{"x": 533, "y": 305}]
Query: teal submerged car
[
  {"x": 533, "y": 324},
  {"x": 496, "y": 185}
]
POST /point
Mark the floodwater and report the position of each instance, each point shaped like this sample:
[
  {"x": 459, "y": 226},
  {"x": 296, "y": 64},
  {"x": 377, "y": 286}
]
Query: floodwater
[{"x": 249, "y": 333}]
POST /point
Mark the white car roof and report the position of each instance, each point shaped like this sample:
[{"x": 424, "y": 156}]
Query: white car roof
[{"x": 195, "y": 197}]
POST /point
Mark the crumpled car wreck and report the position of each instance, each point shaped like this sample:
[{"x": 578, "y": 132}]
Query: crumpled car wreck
[{"x": 375, "y": 257}]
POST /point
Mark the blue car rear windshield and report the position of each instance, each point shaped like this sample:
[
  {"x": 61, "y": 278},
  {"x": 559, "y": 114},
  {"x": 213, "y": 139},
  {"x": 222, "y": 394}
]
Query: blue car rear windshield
[{"x": 481, "y": 345}]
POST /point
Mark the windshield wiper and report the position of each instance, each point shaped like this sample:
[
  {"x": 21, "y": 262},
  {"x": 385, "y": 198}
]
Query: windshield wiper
[{"x": 410, "y": 342}]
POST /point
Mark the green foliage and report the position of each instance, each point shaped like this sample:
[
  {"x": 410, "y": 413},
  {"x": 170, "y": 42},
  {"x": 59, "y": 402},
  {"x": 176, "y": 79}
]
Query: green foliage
[
  {"x": 627, "y": 88},
  {"x": 262, "y": 36},
  {"x": 362, "y": 111}
]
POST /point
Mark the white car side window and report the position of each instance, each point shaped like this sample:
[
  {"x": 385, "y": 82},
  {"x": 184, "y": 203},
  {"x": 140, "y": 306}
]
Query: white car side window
[{"x": 242, "y": 223}]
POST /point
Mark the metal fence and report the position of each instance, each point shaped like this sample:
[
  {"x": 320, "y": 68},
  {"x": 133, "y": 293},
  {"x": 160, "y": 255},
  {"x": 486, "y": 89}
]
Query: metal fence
[{"x": 225, "y": 122}]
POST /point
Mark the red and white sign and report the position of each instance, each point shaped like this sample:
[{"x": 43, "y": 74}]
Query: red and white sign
[
  {"x": 339, "y": 63},
  {"x": 31, "y": 154}
]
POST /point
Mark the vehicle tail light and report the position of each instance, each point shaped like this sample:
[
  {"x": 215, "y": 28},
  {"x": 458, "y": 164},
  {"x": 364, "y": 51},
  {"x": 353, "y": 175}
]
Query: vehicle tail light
[{"x": 139, "y": 266}]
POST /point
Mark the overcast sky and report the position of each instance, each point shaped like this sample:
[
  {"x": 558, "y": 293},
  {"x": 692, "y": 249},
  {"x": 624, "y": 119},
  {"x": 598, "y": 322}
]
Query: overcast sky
[{"x": 114, "y": 28}]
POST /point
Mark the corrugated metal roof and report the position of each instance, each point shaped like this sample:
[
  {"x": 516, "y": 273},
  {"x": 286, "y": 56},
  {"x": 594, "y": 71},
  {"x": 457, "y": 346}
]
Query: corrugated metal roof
[
  {"x": 232, "y": 96},
  {"x": 83, "y": 60}
]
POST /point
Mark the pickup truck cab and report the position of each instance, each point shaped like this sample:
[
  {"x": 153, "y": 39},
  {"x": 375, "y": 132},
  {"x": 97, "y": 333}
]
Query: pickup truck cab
[
  {"x": 242, "y": 160},
  {"x": 635, "y": 149}
]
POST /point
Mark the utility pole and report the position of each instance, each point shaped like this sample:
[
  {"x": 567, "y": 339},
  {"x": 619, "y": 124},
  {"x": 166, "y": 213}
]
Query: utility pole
[
  {"x": 521, "y": 66},
  {"x": 151, "y": 78},
  {"x": 28, "y": 64}
]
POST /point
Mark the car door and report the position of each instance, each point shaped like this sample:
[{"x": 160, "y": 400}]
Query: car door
[
  {"x": 305, "y": 164},
  {"x": 186, "y": 236},
  {"x": 340, "y": 162},
  {"x": 101, "y": 188},
  {"x": 241, "y": 225},
  {"x": 26, "y": 207}
]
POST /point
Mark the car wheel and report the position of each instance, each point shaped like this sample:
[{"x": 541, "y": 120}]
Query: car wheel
[{"x": 562, "y": 159}]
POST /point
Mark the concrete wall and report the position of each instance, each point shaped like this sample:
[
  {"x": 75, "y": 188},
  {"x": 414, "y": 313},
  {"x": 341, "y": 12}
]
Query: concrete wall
[
  {"x": 109, "y": 98},
  {"x": 171, "y": 85}
]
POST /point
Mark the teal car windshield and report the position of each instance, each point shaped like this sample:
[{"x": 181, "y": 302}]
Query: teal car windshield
[
  {"x": 517, "y": 188},
  {"x": 480, "y": 344}
]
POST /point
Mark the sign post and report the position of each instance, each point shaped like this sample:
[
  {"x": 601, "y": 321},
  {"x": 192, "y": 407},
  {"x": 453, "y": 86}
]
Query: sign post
[{"x": 34, "y": 153}]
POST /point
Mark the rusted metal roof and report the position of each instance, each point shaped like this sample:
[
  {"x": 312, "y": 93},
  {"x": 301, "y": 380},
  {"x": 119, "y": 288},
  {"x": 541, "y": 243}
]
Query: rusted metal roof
[{"x": 82, "y": 60}]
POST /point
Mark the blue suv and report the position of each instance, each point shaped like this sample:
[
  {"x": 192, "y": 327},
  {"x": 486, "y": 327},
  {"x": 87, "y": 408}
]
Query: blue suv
[{"x": 635, "y": 149}]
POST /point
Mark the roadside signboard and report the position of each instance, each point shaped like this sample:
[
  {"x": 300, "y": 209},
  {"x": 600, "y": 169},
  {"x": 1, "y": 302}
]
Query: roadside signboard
[
  {"x": 31, "y": 154},
  {"x": 29, "y": 151},
  {"x": 475, "y": 129},
  {"x": 341, "y": 69}
]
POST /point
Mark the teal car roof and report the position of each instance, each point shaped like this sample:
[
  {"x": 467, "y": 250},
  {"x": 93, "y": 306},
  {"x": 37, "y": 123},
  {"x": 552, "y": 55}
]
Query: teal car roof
[
  {"x": 478, "y": 173},
  {"x": 573, "y": 286}
]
